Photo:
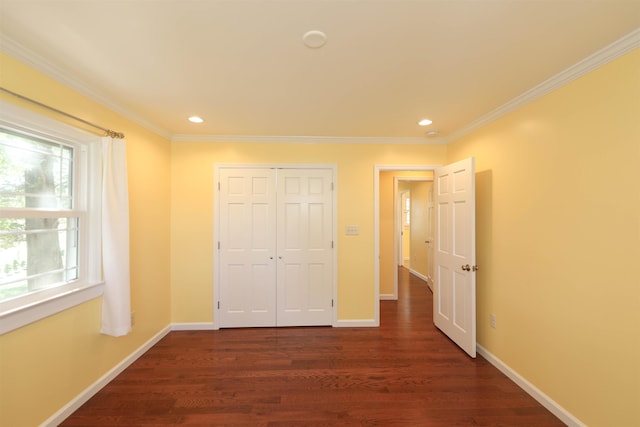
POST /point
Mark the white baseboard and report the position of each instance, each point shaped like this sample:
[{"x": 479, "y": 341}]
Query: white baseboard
[
  {"x": 420, "y": 275},
  {"x": 553, "y": 406},
  {"x": 360, "y": 323},
  {"x": 88, "y": 393},
  {"x": 388, "y": 297},
  {"x": 195, "y": 326},
  {"x": 203, "y": 326}
]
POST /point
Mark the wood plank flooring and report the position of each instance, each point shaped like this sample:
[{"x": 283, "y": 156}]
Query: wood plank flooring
[{"x": 405, "y": 373}]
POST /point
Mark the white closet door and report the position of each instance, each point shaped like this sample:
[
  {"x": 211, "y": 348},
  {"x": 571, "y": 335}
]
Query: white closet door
[
  {"x": 247, "y": 248},
  {"x": 304, "y": 273}
]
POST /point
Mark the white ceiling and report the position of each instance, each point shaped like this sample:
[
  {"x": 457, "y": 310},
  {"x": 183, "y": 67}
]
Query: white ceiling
[{"x": 243, "y": 67}]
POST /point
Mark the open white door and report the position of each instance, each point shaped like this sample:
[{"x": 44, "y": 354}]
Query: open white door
[{"x": 454, "y": 293}]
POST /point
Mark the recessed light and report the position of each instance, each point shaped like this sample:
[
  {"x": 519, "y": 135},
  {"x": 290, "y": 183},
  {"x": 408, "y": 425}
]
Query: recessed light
[
  {"x": 196, "y": 119},
  {"x": 433, "y": 133},
  {"x": 425, "y": 122}
]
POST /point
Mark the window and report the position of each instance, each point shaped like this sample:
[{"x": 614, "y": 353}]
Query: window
[
  {"x": 406, "y": 211},
  {"x": 39, "y": 228},
  {"x": 49, "y": 217}
]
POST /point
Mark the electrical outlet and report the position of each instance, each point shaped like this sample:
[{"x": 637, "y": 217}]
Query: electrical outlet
[{"x": 492, "y": 321}]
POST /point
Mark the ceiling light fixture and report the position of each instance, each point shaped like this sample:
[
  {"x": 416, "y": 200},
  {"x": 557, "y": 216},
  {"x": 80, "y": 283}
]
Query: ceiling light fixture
[
  {"x": 314, "y": 39},
  {"x": 433, "y": 133},
  {"x": 196, "y": 119},
  {"x": 425, "y": 122}
]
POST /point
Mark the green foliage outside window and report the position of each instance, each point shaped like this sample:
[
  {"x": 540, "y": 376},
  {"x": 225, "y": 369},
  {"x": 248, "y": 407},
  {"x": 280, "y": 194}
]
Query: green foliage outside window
[{"x": 37, "y": 250}]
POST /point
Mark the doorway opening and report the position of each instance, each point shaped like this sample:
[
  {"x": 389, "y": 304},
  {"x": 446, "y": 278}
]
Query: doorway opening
[
  {"x": 413, "y": 225},
  {"x": 391, "y": 216},
  {"x": 454, "y": 262}
]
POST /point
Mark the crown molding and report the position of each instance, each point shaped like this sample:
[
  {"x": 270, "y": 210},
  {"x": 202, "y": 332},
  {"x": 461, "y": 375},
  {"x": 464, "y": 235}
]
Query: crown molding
[
  {"x": 306, "y": 139},
  {"x": 21, "y": 53},
  {"x": 607, "y": 54}
]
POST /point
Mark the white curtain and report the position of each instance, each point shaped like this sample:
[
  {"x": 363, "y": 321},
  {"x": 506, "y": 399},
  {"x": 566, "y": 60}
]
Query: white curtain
[{"x": 116, "y": 302}]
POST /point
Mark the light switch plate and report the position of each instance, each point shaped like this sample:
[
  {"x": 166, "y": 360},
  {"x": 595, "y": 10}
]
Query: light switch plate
[{"x": 352, "y": 230}]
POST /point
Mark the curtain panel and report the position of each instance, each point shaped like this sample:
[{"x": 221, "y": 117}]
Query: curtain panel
[{"x": 116, "y": 302}]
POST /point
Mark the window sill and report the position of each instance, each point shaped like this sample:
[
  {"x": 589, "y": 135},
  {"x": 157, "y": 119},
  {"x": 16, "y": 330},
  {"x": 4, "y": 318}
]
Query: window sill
[{"x": 30, "y": 308}]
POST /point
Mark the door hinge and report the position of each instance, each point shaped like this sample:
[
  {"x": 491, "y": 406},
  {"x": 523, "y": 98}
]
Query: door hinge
[
  {"x": 332, "y": 186},
  {"x": 218, "y": 245},
  {"x": 331, "y": 302},
  {"x": 332, "y": 244},
  {"x": 218, "y": 186},
  {"x": 218, "y": 305}
]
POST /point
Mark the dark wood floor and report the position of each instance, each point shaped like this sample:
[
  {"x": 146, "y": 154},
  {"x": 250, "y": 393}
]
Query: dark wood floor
[{"x": 405, "y": 373}]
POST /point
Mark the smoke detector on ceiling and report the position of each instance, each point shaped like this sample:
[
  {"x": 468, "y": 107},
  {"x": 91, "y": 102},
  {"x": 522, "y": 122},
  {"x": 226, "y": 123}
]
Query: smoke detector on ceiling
[{"x": 314, "y": 39}]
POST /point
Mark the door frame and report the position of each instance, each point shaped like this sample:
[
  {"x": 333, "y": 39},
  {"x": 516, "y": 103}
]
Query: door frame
[
  {"x": 376, "y": 225},
  {"x": 216, "y": 226}
]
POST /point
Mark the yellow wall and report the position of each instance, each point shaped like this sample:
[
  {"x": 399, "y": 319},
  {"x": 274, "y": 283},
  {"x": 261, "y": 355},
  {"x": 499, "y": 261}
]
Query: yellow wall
[
  {"x": 192, "y": 219},
  {"x": 43, "y": 366},
  {"x": 420, "y": 226},
  {"x": 387, "y": 244},
  {"x": 558, "y": 242}
]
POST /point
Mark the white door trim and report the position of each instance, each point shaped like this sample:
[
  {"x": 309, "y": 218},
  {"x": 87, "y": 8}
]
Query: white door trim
[
  {"x": 216, "y": 225},
  {"x": 376, "y": 226}
]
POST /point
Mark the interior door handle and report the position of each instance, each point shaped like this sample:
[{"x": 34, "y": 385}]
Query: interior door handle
[{"x": 466, "y": 267}]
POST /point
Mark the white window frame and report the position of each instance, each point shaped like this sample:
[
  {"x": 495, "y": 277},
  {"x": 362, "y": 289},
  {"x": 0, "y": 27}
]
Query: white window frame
[{"x": 23, "y": 310}]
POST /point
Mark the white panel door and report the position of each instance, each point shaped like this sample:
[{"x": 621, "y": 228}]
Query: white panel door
[
  {"x": 304, "y": 273},
  {"x": 454, "y": 293},
  {"x": 247, "y": 248}
]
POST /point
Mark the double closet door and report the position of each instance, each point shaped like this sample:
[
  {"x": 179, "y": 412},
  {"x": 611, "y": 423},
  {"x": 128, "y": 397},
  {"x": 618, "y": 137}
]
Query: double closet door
[{"x": 275, "y": 248}]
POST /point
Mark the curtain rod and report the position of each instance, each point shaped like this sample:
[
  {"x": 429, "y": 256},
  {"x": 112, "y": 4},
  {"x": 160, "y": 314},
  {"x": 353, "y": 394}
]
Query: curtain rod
[{"x": 108, "y": 132}]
